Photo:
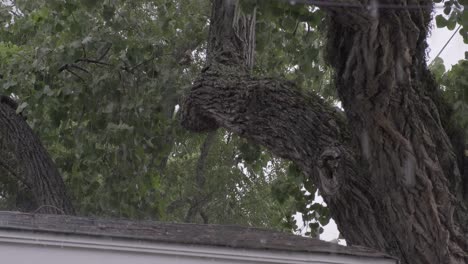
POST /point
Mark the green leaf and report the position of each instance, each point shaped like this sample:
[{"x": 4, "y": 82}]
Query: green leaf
[
  {"x": 441, "y": 21},
  {"x": 451, "y": 23},
  {"x": 464, "y": 18},
  {"x": 89, "y": 3},
  {"x": 447, "y": 10}
]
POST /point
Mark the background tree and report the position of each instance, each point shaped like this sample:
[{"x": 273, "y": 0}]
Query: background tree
[{"x": 101, "y": 83}]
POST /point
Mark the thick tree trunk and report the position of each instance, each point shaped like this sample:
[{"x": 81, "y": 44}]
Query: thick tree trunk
[
  {"x": 392, "y": 181},
  {"x": 25, "y": 159},
  {"x": 398, "y": 117}
]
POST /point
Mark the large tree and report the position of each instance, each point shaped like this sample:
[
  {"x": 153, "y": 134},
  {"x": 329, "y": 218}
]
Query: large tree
[
  {"x": 389, "y": 167},
  {"x": 389, "y": 171}
]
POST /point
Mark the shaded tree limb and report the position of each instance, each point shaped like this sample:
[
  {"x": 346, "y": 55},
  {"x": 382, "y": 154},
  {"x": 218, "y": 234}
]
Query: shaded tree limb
[
  {"x": 30, "y": 164},
  {"x": 295, "y": 126},
  {"x": 268, "y": 111},
  {"x": 198, "y": 202},
  {"x": 201, "y": 163}
]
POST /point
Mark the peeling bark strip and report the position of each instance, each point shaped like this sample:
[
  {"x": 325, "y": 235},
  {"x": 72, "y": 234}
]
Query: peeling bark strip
[
  {"x": 29, "y": 163},
  {"x": 398, "y": 189}
]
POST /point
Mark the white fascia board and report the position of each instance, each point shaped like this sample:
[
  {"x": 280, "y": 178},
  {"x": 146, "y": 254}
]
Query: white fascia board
[{"x": 74, "y": 246}]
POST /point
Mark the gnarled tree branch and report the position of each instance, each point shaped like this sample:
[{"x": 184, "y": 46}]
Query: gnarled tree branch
[
  {"x": 268, "y": 111},
  {"x": 295, "y": 126}
]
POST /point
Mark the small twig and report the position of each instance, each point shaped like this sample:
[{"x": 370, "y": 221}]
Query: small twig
[
  {"x": 295, "y": 29},
  {"x": 79, "y": 68},
  {"x": 93, "y": 61},
  {"x": 62, "y": 68},
  {"x": 105, "y": 52},
  {"x": 141, "y": 63},
  {"x": 72, "y": 65},
  {"x": 78, "y": 76}
]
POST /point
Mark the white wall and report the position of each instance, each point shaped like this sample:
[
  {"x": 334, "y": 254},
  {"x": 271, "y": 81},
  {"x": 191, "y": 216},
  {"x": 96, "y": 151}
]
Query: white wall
[{"x": 38, "y": 248}]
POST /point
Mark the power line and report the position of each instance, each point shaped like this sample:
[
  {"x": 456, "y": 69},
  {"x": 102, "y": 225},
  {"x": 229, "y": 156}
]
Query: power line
[
  {"x": 357, "y": 5},
  {"x": 443, "y": 48}
]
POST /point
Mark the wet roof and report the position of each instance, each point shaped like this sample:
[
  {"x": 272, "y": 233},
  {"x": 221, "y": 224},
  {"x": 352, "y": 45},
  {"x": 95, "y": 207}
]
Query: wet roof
[{"x": 230, "y": 236}]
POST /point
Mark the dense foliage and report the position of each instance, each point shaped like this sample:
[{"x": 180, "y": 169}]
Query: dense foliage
[
  {"x": 100, "y": 82},
  {"x": 454, "y": 84}
]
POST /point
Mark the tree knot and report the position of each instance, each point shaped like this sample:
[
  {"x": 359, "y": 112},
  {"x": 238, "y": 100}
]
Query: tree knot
[{"x": 329, "y": 170}]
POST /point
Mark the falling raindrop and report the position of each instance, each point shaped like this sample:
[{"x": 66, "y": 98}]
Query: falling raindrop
[
  {"x": 409, "y": 170},
  {"x": 365, "y": 146}
]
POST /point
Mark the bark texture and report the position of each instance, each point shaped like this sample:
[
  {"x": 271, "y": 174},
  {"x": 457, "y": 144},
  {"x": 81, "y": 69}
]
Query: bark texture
[
  {"x": 391, "y": 179},
  {"x": 25, "y": 159},
  {"x": 398, "y": 119}
]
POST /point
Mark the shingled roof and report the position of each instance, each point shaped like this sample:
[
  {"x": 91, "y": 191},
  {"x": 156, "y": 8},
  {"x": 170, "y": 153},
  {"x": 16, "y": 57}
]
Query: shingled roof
[{"x": 229, "y": 236}]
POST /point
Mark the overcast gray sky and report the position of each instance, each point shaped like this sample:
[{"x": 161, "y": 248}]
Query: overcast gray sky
[{"x": 454, "y": 51}]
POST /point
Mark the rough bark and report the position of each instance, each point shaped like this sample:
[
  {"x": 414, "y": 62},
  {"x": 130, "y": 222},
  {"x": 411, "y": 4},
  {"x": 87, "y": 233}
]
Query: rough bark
[
  {"x": 231, "y": 44},
  {"x": 25, "y": 159},
  {"x": 392, "y": 183},
  {"x": 398, "y": 119}
]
